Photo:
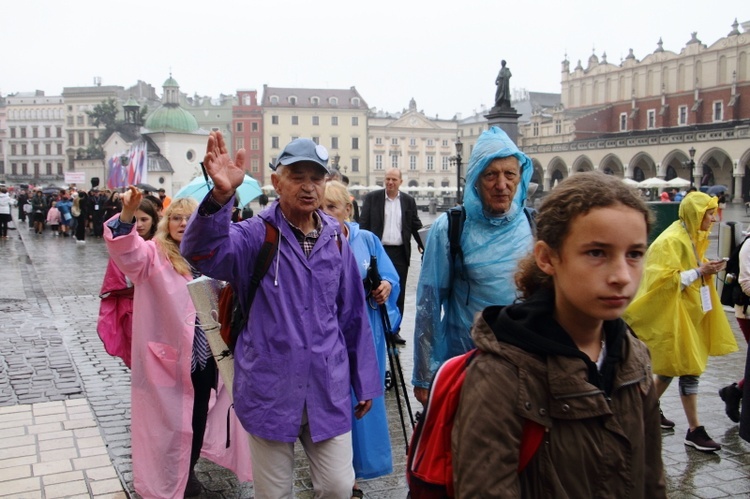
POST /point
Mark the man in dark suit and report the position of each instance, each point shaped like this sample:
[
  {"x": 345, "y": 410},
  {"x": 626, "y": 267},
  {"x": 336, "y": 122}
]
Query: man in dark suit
[{"x": 393, "y": 217}]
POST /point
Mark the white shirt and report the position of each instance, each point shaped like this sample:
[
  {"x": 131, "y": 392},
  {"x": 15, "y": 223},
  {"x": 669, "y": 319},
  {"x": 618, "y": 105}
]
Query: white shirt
[{"x": 392, "y": 222}]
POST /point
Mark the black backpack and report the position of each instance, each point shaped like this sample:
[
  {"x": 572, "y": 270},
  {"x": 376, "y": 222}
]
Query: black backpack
[{"x": 731, "y": 292}]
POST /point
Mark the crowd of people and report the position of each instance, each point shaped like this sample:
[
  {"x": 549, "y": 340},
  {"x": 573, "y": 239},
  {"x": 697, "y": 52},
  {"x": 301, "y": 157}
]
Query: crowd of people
[{"x": 581, "y": 324}]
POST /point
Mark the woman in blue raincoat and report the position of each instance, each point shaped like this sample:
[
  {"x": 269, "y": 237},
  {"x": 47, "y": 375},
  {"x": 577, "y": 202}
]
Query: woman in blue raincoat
[
  {"x": 370, "y": 438},
  {"x": 492, "y": 241}
]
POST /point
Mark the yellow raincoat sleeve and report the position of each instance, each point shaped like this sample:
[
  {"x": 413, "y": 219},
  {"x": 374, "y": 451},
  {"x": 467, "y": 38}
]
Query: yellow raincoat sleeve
[{"x": 669, "y": 319}]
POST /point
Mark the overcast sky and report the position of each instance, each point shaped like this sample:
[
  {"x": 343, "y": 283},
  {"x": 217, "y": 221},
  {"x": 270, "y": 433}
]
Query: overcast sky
[{"x": 444, "y": 54}]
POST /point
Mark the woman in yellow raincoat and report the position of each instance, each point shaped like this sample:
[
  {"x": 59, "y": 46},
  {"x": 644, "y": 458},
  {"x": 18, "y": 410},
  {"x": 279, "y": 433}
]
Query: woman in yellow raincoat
[{"x": 677, "y": 312}]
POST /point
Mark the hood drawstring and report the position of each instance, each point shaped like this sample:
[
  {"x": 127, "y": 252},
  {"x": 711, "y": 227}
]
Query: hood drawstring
[{"x": 278, "y": 253}]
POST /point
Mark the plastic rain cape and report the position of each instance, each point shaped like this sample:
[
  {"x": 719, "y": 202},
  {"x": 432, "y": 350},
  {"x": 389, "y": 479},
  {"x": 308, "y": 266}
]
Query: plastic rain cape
[
  {"x": 669, "y": 319},
  {"x": 492, "y": 247}
]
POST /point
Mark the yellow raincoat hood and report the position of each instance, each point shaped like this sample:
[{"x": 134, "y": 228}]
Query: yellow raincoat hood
[{"x": 670, "y": 319}]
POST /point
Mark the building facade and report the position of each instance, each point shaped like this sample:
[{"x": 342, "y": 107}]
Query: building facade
[
  {"x": 334, "y": 118},
  {"x": 35, "y": 139},
  {"x": 247, "y": 126},
  {"x": 644, "y": 118}
]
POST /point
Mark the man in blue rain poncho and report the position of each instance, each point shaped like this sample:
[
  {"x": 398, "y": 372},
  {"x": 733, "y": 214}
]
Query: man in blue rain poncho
[{"x": 496, "y": 235}]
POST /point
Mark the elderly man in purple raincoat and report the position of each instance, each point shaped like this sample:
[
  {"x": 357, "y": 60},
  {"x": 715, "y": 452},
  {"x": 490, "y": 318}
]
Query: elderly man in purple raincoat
[{"x": 308, "y": 338}]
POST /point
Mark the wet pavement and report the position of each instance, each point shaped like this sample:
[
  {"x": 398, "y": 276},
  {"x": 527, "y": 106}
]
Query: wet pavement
[{"x": 65, "y": 403}]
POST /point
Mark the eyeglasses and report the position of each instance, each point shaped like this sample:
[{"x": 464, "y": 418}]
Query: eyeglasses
[{"x": 179, "y": 218}]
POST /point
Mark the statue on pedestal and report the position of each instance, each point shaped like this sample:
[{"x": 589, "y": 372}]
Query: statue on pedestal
[{"x": 502, "y": 95}]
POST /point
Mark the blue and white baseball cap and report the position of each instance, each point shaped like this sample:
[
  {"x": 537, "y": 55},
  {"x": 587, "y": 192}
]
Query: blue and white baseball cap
[{"x": 303, "y": 150}]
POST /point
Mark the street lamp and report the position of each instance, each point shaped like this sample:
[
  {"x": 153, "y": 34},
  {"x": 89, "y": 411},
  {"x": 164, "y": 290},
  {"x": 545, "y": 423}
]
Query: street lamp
[
  {"x": 691, "y": 151},
  {"x": 459, "y": 152}
]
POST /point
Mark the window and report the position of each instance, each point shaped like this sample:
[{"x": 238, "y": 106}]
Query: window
[
  {"x": 355, "y": 165},
  {"x": 254, "y": 126},
  {"x": 412, "y": 162},
  {"x": 79, "y": 120},
  {"x": 333, "y": 101},
  {"x": 623, "y": 122},
  {"x": 59, "y": 168},
  {"x": 36, "y": 149},
  {"x": 430, "y": 163},
  {"x": 355, "y": 142},
  {"x": 651, "y": 118},
  {"x": 24, "y": 169},
  {"x": 92, "y": 139},
  {"x": 70, "y": 121},
  {"x": 295, "y": 120},
  {"x": 718, "y": 111},
  {"x": 12, "y": 132},
  {"x": 535, "y": 127},
  {"x": 36, "y": 169},
  {"x": 334, "y": 142},
  {"x": 355, "y": 103},
  {"x": 394, "y": 142},
  {"x": 48, "y": 168},
  {"x": 239, "y": 143},
  {"x": 335, "y": 120},
  {"x": 316, "y": 140},
  {"x": 59, "y": 148},
  {"x": 81, "y": 139},
  {"x": 23, "y": 132},
  {"x": 48, "y": 149},
  {"x": 35, "y": 132},
  {"x": 48, "y": 131},
  {"x": 59, "y": 131},
  {"x": 315, "y": 101},
  {"x": 378, "y": 141},
  {"x": 23, "y": 150},
  {"x": 254, "y": 144},
  {"x": 316, "y": 120},
  {"x": 274, "y": 99},
  {"x": 71, "y": 140},
  {"x": 446, "y": 163},
  {"x": 293, "y": 101},
  {"x": 412, "y": 142},
  {"x": 430, "y": 143},
  {"x": 238, "y": 126},
  {"x": 274, "y": 120},
  {"x": 12, "y": 149},
  {"x": 274, "y": 142},
  {"x": 378, "y": 161},
  {"x": 355, "y": 120},
  {"x": 445, "y": 143},
  {"x": 558, "y": 127},
  {"x": 394, "y": 161},
  {"x": 254, "y": 165}
]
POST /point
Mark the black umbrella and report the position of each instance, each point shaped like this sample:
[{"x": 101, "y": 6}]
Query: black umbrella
[
  {"x": 51, "y": 189},
  {"x": 715, "y": 190},
  {"x": 147, "y": 187}
]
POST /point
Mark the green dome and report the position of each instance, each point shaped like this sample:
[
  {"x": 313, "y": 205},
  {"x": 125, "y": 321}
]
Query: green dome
[
  {"x": 171, "y": 82},
  {"x": 171, "y": 118}
]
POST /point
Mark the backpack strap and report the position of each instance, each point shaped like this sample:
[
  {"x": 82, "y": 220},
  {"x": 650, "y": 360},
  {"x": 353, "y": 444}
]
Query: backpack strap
[
  {"x": 262, "y": 262},
  {"x": 456, "y": 219}
]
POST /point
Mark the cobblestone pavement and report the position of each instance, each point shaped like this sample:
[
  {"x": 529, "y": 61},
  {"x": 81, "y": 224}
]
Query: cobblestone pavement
[{"x": 53, "y": 366}]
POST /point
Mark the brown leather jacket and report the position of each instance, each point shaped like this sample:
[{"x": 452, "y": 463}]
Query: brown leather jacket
[{"x": 594, "y": 446}]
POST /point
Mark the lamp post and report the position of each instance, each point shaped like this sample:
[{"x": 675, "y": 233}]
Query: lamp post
[
  {"x": 691, "y": 151},
  {"x": 459, "y": 152}
]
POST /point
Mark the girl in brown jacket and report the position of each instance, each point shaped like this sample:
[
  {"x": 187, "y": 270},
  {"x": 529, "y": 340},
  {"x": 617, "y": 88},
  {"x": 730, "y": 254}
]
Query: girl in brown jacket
[{"x": 564, "y": 359}]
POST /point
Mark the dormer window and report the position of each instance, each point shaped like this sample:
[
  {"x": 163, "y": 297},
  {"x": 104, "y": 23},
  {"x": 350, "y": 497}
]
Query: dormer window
[
  {"x": 355, "y": 101},
  {"x": 333, "y": 101},
  {"x": 315, "y": 101},
  {"x": 274, "y": 99},
  {"x": 293, "y": 100}
]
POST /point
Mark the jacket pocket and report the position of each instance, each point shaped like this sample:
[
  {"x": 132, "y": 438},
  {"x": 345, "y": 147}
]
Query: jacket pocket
[
  {"x": 162, "y": 366},
  {"x": 339, "y": 381}
]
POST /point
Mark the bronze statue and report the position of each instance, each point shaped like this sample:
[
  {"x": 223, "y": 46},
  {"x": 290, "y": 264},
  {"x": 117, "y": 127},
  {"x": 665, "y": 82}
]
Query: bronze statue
[{"x": 502, "y": 95}]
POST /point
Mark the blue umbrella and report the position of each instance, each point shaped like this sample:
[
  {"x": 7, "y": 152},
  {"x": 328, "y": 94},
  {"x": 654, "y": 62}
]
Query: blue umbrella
[
  {"x": 199, "y": 187},
  {"x": 715, "y": 190}
]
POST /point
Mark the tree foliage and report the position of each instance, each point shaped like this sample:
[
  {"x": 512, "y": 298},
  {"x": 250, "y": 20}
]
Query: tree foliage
[{"x": 105, "y": 115}]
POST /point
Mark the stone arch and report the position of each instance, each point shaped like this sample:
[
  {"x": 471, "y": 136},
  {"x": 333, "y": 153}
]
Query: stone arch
[
  {"x": 744, "y": 166},
  {"x": 645, "y": 162},
  {"x": 582, "y": 164},
  {"x": 556, "y": 170},
  {"x": 676, "y": 163},
  {"x": 715, "y": 167},
  {"x": 612, "y": 165}
]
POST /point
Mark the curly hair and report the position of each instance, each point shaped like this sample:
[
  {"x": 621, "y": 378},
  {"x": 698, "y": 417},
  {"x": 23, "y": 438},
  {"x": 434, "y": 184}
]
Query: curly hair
[
  {"x": 575, "y": 196},
  {"x": 170, "y": 247}
]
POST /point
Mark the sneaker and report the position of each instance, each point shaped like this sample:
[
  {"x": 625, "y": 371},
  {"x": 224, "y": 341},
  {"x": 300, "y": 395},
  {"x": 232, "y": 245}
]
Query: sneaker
[
  {"x": 699, "y": 439},
  {"x": 732, "y": 396},
  {"x": 666, "y": 424}
]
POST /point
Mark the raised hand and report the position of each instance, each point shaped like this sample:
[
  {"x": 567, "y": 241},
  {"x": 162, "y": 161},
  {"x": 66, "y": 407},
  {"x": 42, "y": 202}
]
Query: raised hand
[
  {"x": 131, "y": 200},
  {"x": 226, "y": 174}
]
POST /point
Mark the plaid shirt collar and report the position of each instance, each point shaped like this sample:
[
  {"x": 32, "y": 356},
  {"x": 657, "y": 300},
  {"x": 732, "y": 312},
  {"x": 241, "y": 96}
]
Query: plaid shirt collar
[{"x": 306, "y": 241}]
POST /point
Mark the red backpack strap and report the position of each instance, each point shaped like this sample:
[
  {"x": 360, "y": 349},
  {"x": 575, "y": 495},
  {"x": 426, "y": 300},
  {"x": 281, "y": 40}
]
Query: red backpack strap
[{"x": 533, "y": 434}]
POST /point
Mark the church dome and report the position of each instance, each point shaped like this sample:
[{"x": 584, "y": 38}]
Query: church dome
[{"x": 171, "y": 118}]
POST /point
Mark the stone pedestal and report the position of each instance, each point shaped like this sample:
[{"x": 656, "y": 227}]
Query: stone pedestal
[{"x": 507, "y": 119}]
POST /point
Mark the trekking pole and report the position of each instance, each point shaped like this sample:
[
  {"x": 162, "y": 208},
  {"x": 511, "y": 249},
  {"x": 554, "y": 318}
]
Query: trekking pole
[{"x": 374, "y": 279}]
